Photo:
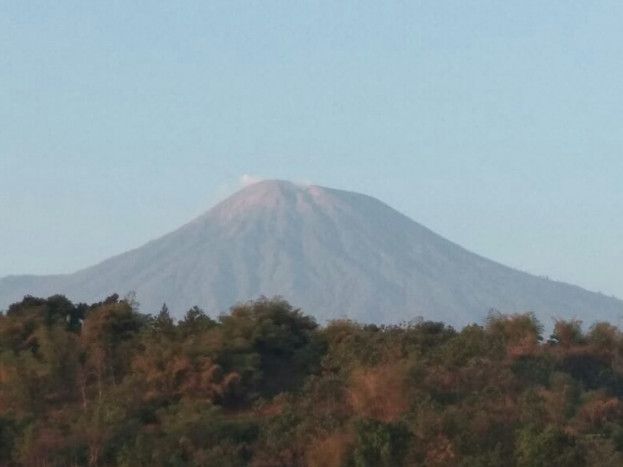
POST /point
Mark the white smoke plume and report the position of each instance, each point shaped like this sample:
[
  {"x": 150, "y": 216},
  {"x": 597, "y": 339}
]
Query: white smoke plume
[{"x": 246, "y": 180}]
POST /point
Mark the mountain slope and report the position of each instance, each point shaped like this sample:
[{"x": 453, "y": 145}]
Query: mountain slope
[{"x": 333, "y": 253}]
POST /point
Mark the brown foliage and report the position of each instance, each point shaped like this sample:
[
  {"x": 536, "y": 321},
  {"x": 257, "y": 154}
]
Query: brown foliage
[
  {"x": 440, "y": 453},
  {"x": 168, "y": 372},
  {"x": 599, "y": 410},
  {"x": 381, "y": 392},
  {"x": 329, "y": 451}
]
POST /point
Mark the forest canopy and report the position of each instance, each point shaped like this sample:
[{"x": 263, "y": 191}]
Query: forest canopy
[{"x": 265, "y": 385}]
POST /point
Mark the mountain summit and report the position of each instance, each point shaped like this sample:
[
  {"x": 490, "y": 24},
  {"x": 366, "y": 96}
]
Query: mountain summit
[{"x": 333, "y": 253}]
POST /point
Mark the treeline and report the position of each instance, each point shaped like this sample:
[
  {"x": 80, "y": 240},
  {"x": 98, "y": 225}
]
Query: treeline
[{"x": 264, "y": 385}]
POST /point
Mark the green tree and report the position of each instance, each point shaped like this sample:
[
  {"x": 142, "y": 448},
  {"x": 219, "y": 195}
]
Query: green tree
[
  {"x": 550, "y": 447},
  {"x": 380, "y": 444}
]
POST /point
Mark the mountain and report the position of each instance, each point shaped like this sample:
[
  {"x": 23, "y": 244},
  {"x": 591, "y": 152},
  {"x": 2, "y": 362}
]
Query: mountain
[{"x": 333, "y": 253}]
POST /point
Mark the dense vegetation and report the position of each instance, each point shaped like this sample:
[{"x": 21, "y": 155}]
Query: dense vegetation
[{"x": 264, "y": 385}]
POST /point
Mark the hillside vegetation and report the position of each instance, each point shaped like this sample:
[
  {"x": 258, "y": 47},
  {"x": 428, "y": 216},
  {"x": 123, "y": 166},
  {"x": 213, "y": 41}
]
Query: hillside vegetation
[{"x": 264, "y": 385}]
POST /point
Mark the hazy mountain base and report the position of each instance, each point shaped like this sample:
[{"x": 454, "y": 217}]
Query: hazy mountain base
[
  {"x": 263, "y": 385},
  {"x": 337, "y": 254}
]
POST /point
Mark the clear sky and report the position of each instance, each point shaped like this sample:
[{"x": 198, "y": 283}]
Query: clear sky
[{"x": 496, "y": 124}]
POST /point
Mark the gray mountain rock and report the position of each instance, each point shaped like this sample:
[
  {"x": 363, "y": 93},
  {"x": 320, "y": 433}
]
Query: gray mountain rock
[{"x": 333, "y": 253}]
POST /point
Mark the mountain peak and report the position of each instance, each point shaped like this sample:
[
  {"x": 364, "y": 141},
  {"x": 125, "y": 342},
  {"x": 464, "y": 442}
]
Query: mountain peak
[
  {"x": 271, "y": 185},
  {"x": 269, "y": 195}
]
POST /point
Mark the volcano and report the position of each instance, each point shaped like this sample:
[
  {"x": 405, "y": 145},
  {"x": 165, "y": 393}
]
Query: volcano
[{"x": 335, "y": 254}]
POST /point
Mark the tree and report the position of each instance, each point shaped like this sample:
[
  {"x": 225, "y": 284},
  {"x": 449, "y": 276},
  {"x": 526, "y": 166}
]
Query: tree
[
  {"x": 380, "y": 444},
  {"x": 567, "y": 333},
  {"x": 548, "y": 448},
  {"x": 163, "y": 324}
]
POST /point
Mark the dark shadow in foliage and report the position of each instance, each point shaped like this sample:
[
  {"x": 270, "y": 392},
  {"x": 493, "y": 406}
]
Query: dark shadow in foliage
[
  {"x": 586, "y": 368},
  {"x": 281, "y": 336},
  {"x": 8, "y": 430},
  {"x": 531, "y": 369}
]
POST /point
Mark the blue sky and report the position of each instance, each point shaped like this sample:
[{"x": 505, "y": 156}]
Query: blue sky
[{"x": 496, "y": 124}]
